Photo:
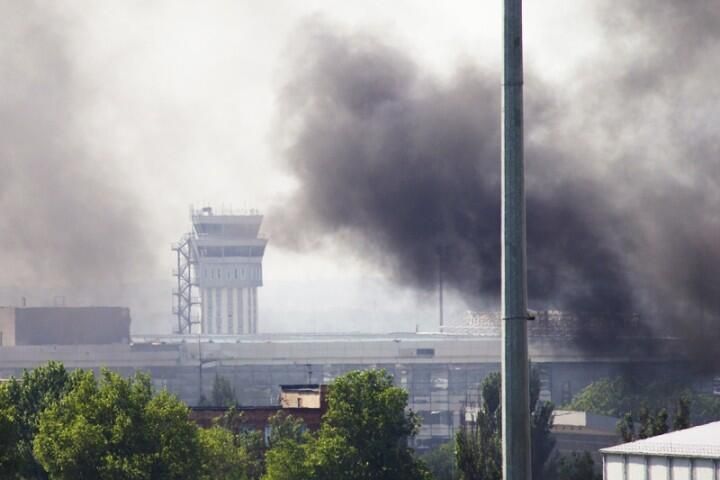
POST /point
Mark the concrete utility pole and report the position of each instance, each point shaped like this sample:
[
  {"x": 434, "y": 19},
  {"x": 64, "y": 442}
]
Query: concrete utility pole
[{"x": 515, "y": 375}]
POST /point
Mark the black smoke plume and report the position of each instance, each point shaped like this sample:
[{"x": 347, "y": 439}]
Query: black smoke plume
[{"x": 622, "y": 169}]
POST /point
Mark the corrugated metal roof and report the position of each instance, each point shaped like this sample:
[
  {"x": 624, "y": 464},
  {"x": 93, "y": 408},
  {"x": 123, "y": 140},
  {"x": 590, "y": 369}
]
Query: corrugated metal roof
[{"x": 701, "y": 441}]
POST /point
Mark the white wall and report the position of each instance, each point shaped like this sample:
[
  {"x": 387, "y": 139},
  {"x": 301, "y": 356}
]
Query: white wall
[
  {"x": 659, "y": 468},
  {"x": 637, "y": 467},
  {"x": 704, "y": 470}
]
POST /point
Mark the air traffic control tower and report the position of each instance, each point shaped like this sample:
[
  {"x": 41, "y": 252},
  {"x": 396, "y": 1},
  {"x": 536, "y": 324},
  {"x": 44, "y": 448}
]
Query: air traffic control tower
[{"x": 224, "y": 253}]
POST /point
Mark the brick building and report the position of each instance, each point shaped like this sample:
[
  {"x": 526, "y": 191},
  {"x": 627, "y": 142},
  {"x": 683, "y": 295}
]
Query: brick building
[{"x": 307, "y": 402}]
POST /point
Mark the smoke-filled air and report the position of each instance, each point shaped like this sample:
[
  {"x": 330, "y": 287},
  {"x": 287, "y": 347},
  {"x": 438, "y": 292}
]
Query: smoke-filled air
[
  {"x": 622, "y": 168},
  {"x": 67, "y": 218},
  {"x": 400, "y": 166}
]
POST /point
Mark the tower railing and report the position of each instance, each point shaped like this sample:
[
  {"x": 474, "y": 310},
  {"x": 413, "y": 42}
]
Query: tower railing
[{"x": 183, "y": 299}]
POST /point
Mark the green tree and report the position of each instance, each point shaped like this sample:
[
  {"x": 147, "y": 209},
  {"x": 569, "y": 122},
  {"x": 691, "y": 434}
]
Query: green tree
[
  {"x": 441, "y": 462},
  {"x": 333, "y": 457},
  {"x": 627, "y": 394},
  {"x": 288, "y": 461},
  {"x": 608, "y": 396},
  {"x": 660, "y": 423},
  {"x": 289, "y": 455},
  {"x": 577, "y": 466},
  {"x": 232, "y": 420},
  {"x": 478, "y": 445},
  {"x": 682, "y": 413},
  {"x": 222, "y": 459},
  {"x": 284, "y": 426},
  {"x": 21, "y": 402},
  {"x": 223, "y": 393},
  {"x": 478, "y": 449},
  {"x": 626, "y": 428},
  {"x": 542, "y": 441},
  {"x": 9, "y": 437},
  {"x": 368, "y": 412},
  {"x": 226, "y": 456},
  {"x": 651, "y": 423},
  {"x": 705, "y": 408},
  {"x": 116, "y": 428},
  {"x": 248, "y": 439},
  {"x": 645, "y": 423},
  {"x": 364, "y": 435},
  {"x": 253, "y": 444}
]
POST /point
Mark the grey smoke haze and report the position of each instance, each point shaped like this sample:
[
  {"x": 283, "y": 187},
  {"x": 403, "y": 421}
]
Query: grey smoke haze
[
  {"x": 67, "y": 219},
  {"x": 622, "y": 167},
  {"x": 622, "y": 158}
]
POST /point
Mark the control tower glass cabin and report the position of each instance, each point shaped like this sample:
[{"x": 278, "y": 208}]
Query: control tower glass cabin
[{"x": 228, "y": 270}]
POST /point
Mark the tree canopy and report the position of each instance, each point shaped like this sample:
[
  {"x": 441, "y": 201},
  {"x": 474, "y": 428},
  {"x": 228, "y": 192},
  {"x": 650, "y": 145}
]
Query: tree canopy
[
  {"x": 364, "y": 435},
  {"x": 623, "y": 395},
  {"x": 479, "y": 443},
  {"x": 115, "y": 428},
  {"x": 441, "y": 462},
  {"x": 577, "y": 466},
  {"x": 21, "y": 402}
]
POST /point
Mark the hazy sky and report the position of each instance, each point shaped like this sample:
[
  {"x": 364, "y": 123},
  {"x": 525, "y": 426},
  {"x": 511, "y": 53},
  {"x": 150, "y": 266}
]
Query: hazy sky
[
  {"x": 174, "y": 102},
  {"x": 120, "y": 115},
  {"x": 180, "y": 97},
  {"x": 192, "y": 85}
]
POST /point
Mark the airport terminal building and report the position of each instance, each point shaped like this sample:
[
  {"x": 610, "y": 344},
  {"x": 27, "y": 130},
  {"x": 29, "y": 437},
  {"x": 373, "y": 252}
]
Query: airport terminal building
[{"x": 440, "y": 372}]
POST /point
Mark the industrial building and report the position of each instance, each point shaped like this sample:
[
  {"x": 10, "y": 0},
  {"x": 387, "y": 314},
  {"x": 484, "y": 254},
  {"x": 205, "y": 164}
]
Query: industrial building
[
  {"x": 222, "y": 258},
  {"x": 690, "y": 454},
  {"x": 306, "y": 402},
  {"x": 64, "y": 325},
  {"x": 440, "y": 372},
  {"x": 584, "y": 432}
]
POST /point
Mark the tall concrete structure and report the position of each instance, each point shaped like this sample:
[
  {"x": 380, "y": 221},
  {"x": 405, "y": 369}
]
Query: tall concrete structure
[
  {"x": 228, "y": 270},
  {"x": 515, "y": 375},
  {"x": 222, "y": 258}
]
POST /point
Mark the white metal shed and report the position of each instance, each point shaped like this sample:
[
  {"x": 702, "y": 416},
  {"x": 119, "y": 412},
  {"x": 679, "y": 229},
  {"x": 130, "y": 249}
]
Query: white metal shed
[{"x": 691, "y": 454}]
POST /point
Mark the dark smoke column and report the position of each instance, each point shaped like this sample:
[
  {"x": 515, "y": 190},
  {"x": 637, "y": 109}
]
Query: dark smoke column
[{"x": 515, "y": 385}]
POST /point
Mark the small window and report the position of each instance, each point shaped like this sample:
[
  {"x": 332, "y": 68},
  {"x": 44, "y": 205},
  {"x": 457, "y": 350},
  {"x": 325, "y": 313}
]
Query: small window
[{"x": 425, "y": 352}]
